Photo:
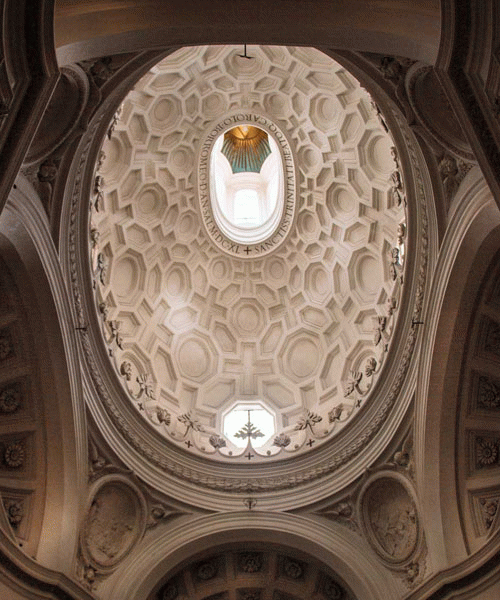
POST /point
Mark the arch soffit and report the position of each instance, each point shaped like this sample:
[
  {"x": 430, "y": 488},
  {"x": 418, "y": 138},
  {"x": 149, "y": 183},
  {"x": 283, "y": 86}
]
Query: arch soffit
[
  {"x": 26, "y": 244},
  {"x": 472, "y": 239},
  {"x": 88, "y": 30}
]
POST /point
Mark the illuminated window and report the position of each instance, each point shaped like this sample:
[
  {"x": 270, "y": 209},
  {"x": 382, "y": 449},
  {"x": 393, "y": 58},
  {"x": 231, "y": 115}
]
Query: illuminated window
[
  {"x": 249, "y": 421},
  {"x": 246, "y": 208},
  {"x": 246, "y": 184}
]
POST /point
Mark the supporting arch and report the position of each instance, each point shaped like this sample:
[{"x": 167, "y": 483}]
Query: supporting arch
[
  {"x": 472, "y": 239},
  {"x": 27, "y": 247},
  {"x": 92, "y": 29},
  {"x": 344, "y": 552}
]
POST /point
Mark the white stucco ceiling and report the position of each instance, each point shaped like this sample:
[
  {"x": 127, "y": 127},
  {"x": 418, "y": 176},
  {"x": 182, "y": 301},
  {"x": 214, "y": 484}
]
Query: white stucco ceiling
[{"x": 211, "y": 328}]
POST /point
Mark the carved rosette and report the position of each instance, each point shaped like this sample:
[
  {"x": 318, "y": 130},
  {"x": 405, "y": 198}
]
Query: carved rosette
[
  {"x": 10, "y": 398},
  {"x": 391, "y": 524},
  {"x": 115, "y": 522}
]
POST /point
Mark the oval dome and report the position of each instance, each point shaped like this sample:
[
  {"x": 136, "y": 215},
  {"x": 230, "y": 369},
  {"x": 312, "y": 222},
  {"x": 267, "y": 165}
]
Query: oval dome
[{"x": 212, "y": 300}]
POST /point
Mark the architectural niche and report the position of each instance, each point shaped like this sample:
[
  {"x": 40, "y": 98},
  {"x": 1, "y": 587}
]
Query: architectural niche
[
  {"x": 115, "y": 521},
  {"x": 391, "y": 523}
]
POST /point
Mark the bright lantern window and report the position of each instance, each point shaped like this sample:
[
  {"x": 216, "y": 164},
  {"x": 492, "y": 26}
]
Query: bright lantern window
[
  {"x": 247, "y": 204},
  {"x": 249, "y": 421},
  {"x": 246, "y": 208}
]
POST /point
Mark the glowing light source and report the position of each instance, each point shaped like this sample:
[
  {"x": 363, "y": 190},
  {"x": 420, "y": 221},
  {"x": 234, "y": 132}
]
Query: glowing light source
[{"x": 249, "y": 422}]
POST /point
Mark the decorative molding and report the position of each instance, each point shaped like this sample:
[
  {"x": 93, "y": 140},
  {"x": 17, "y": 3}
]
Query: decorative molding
[
  {"x": 484, "y": 505},
  {"x": 11, "y": 399},
  {"x": 46, "y": 178},
  {"x": 101, "y": 70},
  {"x": 394, "y": 70},
  {"x": 100, "y": 466},
  {"x": 63, "y": 120},
  {"x": 486, "y": 394},
  {"x": 452, "y": 172},
  {"x": 485, "y": 450},
  {"x": 35, "y": 578},
  {"x": 7, "y": 350},
  {"x": 250, "y": 562},
  {"x": 18, "y": 506},
  {"x": 206, "y": 191},
  {"x": 492, "y": 337},
  {"x": 14, "y": 508},
  {"x": 404, "y": 458},
  {"x": 249, "y": 594},
  {"x": 343, "y": 512},
  {"x": 14, "y": 454},
  {"x": 252, "y": 575},
  {"x": 489, "y": 509},
  {"x": 291, "y": 568},
  {"x": 157, "y": 510},
  {"x": 473, "y": 575},
  {"x": 435, "y": 118},
  {"x": 256, "y": 531},
  {"x": 208, "y": 569}
]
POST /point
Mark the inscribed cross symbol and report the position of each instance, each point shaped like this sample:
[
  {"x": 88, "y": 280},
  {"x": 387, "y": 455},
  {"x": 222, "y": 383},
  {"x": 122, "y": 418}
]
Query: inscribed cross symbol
[
  {"x": 152, "y": 153},
  {"x": 287, "y": 307},
  {"x": 208, "y": 308},
  {"x": 248, "y": 368}
]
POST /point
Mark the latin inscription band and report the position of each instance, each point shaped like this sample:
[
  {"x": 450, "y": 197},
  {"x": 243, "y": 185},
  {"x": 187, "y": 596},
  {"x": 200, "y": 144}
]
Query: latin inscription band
[{"x": 280, "y": 232}]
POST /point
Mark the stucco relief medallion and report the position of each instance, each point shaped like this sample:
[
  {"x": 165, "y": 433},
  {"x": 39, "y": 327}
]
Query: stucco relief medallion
[
  {"x": 390, "y": 519},
  {"x": 115, "y": 521}
]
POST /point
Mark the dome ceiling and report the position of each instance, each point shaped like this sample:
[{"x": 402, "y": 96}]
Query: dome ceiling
[{"x": 194, "y": 327}]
